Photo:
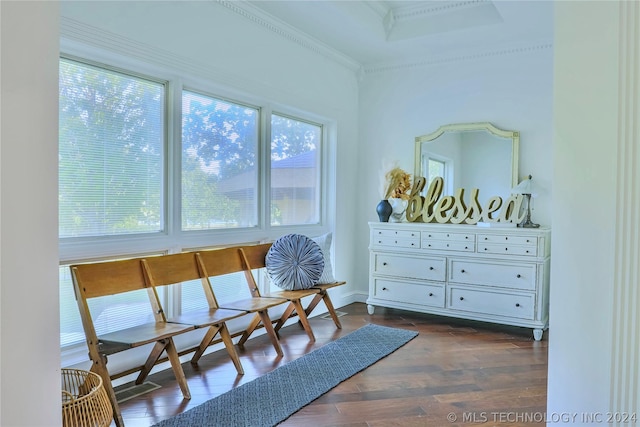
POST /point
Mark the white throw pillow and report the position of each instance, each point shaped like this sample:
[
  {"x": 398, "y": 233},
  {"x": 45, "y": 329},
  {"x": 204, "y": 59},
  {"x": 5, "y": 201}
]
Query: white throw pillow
[{"x": 324, "y": 242}]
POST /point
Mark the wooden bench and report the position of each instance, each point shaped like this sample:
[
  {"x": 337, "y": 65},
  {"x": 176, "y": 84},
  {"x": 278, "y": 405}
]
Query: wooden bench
[
  {"x": 185, "y": 267},
  {"x": 116, "y": 277},
  {"x": 148, "y": 273},
  {"x": 320, "y": 293},
  {"x": 231, "y": 260},
  {"x": 255, "y": 257}
]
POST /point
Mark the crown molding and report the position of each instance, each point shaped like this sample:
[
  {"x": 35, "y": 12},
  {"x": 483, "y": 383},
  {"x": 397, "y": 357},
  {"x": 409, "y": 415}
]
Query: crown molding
[
  {"x": 89, "y": 35},
  {"x": 389, "y": 18},
  {"x": 79, "y": 31},
  {"x": 281, "y": 28},
  {"x": 414, "y": 11},
  {"x": 463, "y": 57},
  {"x": 83, "y": 40}
]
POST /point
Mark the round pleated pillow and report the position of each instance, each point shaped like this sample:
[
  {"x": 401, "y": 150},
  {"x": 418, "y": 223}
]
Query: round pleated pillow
[{"x": 294, "y": 261}]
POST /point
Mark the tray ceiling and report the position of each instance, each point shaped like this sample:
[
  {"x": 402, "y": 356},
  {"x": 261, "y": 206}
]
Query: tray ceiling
[{"x": 379, "y": 32}]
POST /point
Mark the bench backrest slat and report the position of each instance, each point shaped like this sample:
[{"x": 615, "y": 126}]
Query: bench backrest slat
[
  {"x": 256, "y": 254},
  {"x": 219, "y": 262},
  {"x": 173, "y": 268},
  {"x": 109, "y": 278},
  {"x": 228, "y": 260}
]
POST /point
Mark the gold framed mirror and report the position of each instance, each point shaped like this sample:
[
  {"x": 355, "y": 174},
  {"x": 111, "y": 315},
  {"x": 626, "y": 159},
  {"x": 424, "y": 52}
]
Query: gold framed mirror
[{"x": 470, "y": 155}]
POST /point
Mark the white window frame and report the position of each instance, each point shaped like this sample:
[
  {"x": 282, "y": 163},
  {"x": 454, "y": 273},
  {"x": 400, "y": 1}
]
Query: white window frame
[
  {"x": 448, "y": 170},
  {"x": 173, "y": 239}
]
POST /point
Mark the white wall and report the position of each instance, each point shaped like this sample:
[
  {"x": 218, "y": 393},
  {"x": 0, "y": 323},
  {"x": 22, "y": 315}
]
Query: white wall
[
  {"x": 512, "y": 91},
  {"x": 593, "y": 346},
  {"x": 29, "y": 319},
  {"x": 213, "y": 43}
]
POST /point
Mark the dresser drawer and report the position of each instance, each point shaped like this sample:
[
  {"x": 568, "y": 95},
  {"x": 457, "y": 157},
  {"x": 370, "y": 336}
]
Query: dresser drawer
[
  {"x": 401, "y": 234},
  {"x": 517, "y": 276},
  {"x": 514, "y": 240},
  {"x": 444, "y": 245},
  {"x": 397, "y": 242},
  {"x": 438, "y": 235},
  {"x": 432, "y": 268},
  {"x": 507, "y": 249},
  {"x": 520, "y": 306},
  {"x": 396, "y": 238},
  {"x": 411, "y": 293}
]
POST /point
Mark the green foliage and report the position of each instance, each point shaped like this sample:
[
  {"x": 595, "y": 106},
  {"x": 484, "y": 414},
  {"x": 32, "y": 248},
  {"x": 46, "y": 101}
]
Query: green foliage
[
  {"x": 112, "y": 155},
  {"x": 110, "y": 152}
]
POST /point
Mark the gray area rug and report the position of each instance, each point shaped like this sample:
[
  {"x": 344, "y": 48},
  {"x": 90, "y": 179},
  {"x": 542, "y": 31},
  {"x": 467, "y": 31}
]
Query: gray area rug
[{"x": 274, "y": 397}]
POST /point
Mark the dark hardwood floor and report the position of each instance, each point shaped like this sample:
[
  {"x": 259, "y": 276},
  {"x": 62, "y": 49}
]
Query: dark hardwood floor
[{"x": 454, "y": 373}]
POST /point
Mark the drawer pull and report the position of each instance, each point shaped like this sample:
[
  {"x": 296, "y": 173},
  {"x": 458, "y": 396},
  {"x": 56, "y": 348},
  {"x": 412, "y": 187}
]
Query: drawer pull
[
  {"x": 413, "y": 244},
  {"x": 466, "y": 247},
  {"x": 384, "y": 263},
  {"x": 430, "y": 294},
  {"x": 517, "y": 304},
  {"x": 486, "y": 238},
  {"x": 506, "y": 238},
  {"x": 461, "y": 298},
  {"x": 506, "y": 249},
  {"x": 466, "y": 237},
  {"x": 430, "y": 268},
  {"x": 462, "y": 271},
  {"x": 518, "y": 276},
  {"x": 384, "y": 289}
]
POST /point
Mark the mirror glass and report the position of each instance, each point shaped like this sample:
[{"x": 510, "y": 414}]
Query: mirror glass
[{"x": 470, "y": 155}]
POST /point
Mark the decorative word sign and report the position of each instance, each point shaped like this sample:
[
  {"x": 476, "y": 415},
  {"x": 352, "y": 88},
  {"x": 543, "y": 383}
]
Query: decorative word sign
[{"x": 454, "y": 210}]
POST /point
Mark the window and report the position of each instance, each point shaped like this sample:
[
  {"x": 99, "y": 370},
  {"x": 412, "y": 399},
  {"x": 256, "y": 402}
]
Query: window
[
  {"x": 435, "y": 165},
  {"x": 111, "y": 152},
  {"x": 436, "y": 169},
  {"x": 295, "y": 171},
  {"x": 232, "y": 171},
  {"x": 107, "y": 312},
  {"x": 219, "y": 163}
]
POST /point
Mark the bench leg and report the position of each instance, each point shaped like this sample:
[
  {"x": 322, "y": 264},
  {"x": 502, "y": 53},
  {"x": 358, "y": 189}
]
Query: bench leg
[
  {"x": 252, "y": 327},
  {"x": 262, "y": 316},
  {"x": 100, "y": 368},
  {"x": 157, "y": 350},
  {"x": 231, "y": 349},
  {"x": 177, "y": 368},
  {"x": 172, "y": 353},
  {"x": 285, "y": 316},
  {"x": 303, "y": 319},
  {"x": 228, "y": 343},
  {"x": 268, "y": 326},
  {"x": 206, "y": 341},
  {"x": 324, "y": 295},
  {"x": 314, "y": 302}
]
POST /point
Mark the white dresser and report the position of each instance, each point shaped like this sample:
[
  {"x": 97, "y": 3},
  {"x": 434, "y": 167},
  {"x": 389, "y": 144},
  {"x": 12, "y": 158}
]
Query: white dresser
[{"x": 492, "y": 274}]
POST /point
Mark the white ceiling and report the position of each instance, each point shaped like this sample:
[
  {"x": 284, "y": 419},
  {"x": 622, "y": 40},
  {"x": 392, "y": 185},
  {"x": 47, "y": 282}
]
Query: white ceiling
[{"x": 376, "y": 32}]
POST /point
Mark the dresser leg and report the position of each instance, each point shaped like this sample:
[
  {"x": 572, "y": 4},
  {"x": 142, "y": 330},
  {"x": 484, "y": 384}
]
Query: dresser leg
[
  {"x": 537, "y": 334},
  {"x": 370, "y": 308}
]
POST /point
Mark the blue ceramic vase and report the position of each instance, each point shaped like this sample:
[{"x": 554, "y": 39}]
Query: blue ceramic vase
[{"x": 384, "y": 210}]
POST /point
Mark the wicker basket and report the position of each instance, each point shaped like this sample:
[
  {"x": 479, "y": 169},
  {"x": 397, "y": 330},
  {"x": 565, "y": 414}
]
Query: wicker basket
[{"x": 84, "y": 400}]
